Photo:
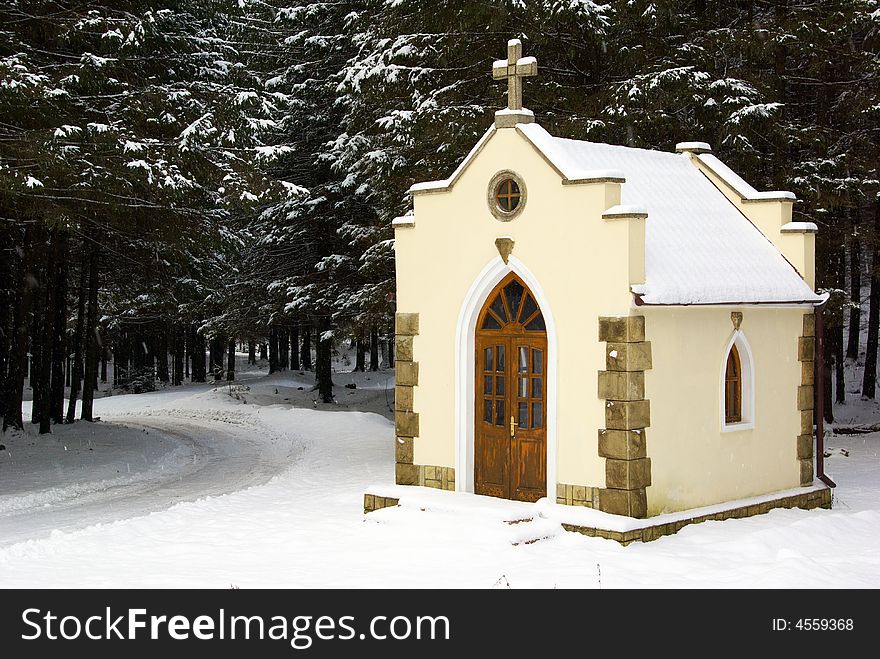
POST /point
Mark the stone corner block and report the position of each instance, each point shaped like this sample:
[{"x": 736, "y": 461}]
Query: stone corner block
[
  {"x": 805, "y": 397},
  {"x": 628, "y": 356},
  {"x": 407, "y": 373},
  {"x": 622, "y": 444},
  {"x": 632, "y": 503},
  {"x": 809, "y": 324},
  {"x": 407, "y": 424},
  {"x": 627, "y": 474},
  {"x": 804, "y": 447},
  {"x": 406, "y": 324},
  {"x": 806, "y": 466},
  {"x": 403, "y": 398},
  {"x": 806, "y": 348},
  {"x": 403, "y": 347},
  {"x": 627, "y": 415},
  {"x": 406, "y": 474},
  {"x": 403, "y": 450},
  {"x": 626, "y": 329},
  {"x": 622, "y": 385}
]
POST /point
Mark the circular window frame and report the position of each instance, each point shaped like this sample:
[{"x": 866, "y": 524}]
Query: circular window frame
[{"x": 497, "y": 212}]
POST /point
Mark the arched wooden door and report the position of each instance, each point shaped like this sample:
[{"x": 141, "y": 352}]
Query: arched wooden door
[{"x": 510, "y": 410}]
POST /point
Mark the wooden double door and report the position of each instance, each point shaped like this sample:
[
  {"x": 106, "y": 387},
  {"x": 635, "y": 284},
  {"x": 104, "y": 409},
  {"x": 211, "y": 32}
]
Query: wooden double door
[{"x": 510, "y": 410}]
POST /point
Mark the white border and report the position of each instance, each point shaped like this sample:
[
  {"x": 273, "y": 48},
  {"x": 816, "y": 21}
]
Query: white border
[
  {"x": 747, "y": 364},
  {"x": 476, "y": 296}
]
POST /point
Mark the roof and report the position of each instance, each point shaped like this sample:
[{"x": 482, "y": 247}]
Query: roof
[{"x": 699, "y": 247}]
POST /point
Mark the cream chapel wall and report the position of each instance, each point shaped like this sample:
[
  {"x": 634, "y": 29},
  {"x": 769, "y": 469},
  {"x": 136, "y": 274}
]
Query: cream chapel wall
[
  {"x": 694, "y": 463},
  {"x": 580, "y": 261}
]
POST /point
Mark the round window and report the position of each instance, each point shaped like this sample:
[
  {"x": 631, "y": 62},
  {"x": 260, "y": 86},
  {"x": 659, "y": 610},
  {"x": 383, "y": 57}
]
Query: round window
[{"x": 507, "y": 195}]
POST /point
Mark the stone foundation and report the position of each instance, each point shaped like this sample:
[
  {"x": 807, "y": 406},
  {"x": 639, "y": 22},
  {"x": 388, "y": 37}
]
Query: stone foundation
[
  {"x": 375, "y": 502},
  {"x": 577, "y": 495},
  {"x": 805, "y": 501},
  {"x": 440, "y": 478}
]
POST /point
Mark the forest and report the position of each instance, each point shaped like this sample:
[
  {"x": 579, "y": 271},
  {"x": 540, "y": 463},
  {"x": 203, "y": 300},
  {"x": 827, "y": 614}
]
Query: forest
[{"x": 179, "y": 178}]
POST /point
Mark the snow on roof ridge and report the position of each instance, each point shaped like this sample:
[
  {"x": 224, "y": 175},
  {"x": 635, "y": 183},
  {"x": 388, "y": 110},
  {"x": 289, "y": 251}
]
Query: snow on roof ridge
[{"x": 739, "y": 185}]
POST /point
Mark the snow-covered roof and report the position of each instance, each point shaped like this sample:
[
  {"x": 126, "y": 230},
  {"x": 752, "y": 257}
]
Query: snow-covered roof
[{"x": 699, "y": 248}]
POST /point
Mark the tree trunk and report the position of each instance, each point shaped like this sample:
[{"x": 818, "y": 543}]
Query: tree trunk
[
  {"x": 273, "y": 350},
  {"x": 13, "y": 387},
  {"x": 252, "y": 352},
  {"x": 162, "y": 354},
  {"x": 230, "y": 360},
  {"x": 91, "y": 338},
  {"x": 374, "y": 349},
  {"x": 78, "y": 338},
  {"x": 59, "y": 329},
  {"x": 218, "y": 345},
  {"x": 360, "y": 362},
  {"x": 294, "y": 347},
  {"x": 855, "y": 289},
  {"x": 40, "y": 350},
  {"x": 283, "y": 349},
  {"x": 179, "y": 350},
  {"x": 305, "y": 353},
  {"x": 391, "y": 339},
  {"x": 869, "y": 377},
  {"x": 323, "y": 366},
  {"x": 199, "y": 369},
  {"x": 264, "y": 351}
]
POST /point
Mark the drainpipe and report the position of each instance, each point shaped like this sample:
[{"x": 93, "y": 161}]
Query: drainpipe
[{"x": 819, "y": 378}]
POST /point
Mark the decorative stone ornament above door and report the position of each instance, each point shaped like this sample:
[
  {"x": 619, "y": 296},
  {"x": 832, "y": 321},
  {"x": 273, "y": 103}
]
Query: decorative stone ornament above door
[{"x": 506, "y": 195}]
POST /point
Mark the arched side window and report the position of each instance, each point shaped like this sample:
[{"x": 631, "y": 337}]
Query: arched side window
[
  {"x": 733, "y": 387},
  {"x": 737, "y": 386}
]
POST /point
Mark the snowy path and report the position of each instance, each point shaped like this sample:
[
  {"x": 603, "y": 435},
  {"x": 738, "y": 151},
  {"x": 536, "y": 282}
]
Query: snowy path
[{"x": 217, "y": 458}]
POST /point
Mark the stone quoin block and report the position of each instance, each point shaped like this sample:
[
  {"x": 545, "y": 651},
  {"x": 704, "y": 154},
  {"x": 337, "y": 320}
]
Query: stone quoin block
[
  {"x": 406, "y": 474},
  {"x": 407, "y": 373},
  {"x": 406, "y": 324},
  {"x": 808, "y": 373},
  {"x": 805, "y": 397},
  {"x": 622, "y": 444},
  {"x": 633, "y": 503},
  {"x": 403, "y": 450},
  {"x": 806, "y": 422},
  {"x": 623, "y": 329},
  {"x": 622, "y": 385},
  {"x": 403, "y": 398},
  {"x": 403, "y": 347},
  {"x": 806, "y": 471},
  {"x": 628, "y": 356},
  {"x": 627, "y": 415},
  {"x": 407, "y": 424},
  {"x": 627, "y": 474},
  {"x": 809, "y": 324},
  {"x": 806, "y": 348},
  {"x": 804, "y": 447}
]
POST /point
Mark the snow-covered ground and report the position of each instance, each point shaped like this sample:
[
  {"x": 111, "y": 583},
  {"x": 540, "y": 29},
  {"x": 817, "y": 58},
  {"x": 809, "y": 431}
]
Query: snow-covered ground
[{"x": 285, "y": 509}]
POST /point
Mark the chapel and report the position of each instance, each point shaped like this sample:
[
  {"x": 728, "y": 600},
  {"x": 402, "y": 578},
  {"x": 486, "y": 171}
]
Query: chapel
[{"x": 596, "y": 325}]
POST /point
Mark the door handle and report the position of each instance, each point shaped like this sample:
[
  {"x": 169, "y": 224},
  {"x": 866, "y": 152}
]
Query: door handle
[{"x": 512, "y": 426}]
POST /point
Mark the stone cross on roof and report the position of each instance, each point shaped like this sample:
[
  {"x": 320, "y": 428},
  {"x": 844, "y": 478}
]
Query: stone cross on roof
[{"x": 514, "y": 68}]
